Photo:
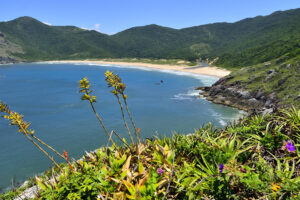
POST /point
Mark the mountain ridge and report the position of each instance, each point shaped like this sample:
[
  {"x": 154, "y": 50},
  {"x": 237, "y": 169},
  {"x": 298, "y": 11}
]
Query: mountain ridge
[{"x": 278, "y": 32}]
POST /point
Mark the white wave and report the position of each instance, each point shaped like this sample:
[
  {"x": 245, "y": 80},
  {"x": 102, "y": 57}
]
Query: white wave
[
  {"x": 222, "y": 122},
  {"x": 225, "y": 120},
  {"x": 190, "y": 95},
  {"x": 205, "y": 79}
]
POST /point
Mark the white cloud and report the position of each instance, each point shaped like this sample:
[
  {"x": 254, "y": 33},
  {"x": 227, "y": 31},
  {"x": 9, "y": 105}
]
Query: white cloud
[
  {"x": 47, "y": 23},
  {"x": 97, "y": 27}
]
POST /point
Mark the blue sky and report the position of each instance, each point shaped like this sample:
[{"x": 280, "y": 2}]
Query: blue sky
[{"x": 112, "y": 16}]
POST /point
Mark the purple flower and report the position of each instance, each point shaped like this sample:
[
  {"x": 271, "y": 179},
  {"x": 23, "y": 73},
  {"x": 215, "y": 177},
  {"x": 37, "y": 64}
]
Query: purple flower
[
  {"x": 160, "y": 171},
  {"x": 221, "y": 167},
  {"x": 290, "y": 147}
]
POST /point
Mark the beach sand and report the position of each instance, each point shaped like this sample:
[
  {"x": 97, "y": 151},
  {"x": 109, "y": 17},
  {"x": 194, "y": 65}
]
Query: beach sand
[{"x": 210, "y": 71}]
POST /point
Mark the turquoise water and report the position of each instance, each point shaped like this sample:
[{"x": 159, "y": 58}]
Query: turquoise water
[{"x": 47, "y": 95}]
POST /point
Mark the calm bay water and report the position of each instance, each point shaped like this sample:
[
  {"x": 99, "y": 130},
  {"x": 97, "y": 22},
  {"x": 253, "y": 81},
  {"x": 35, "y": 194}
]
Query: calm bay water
[{"x": 47, "y": 95}]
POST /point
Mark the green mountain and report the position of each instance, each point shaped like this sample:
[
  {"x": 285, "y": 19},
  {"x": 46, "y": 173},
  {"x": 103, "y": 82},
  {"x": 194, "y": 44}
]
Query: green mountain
[
  {"x": 42, "y": 42},
  {"x": 246, "y": 42}
]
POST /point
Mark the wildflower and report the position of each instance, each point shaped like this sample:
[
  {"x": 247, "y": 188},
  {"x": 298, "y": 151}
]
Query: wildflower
[
  {"x": 160, "y": 171},
  {"x": 290, "y": 147},
  {"x": 221, "y": 167},
  {"x": 275, "y": 187},
  {"x": 67, "y": 158},
  {"x": 66, "y": 155}
]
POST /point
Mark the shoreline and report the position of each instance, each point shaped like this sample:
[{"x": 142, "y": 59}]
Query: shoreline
[{"x": 208, "y": 71}]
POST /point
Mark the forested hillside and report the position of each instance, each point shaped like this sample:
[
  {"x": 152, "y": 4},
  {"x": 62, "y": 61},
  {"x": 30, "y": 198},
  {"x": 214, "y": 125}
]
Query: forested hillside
[{"x": 246, "y": 42}]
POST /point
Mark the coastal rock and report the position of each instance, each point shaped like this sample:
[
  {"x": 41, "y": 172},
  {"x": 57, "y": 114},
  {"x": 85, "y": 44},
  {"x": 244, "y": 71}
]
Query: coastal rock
[
  {"x": 269, "y": 103},
  {"x": 28, "y": 193},
  {"x": 267, "y": 111},
  {"x": 245, "y": 94},
  {"x": 271, "y": 73},
  {"x": 259, "y": 94},
  {"x": 6, "y": 60},
  {"x": 254, "y": 102},
  {"x": 273, "y": 96}
]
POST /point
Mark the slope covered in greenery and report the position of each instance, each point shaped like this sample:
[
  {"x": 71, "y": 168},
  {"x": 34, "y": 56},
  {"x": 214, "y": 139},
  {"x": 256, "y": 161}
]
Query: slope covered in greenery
[
  {"x": 246, "y": 42},
  {"x": 280, "y": 76},
  {"x": 257, "y": 158},
  {"x": 42, "y": 42}
]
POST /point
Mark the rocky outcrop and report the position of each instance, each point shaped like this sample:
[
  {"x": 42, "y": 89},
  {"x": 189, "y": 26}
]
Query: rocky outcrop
[
  {"x": 234, "y": 95},
  {"x": 6, "y": 60}
]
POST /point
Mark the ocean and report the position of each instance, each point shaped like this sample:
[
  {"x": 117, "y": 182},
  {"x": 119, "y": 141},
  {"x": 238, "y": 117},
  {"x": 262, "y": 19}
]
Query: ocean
[{"x": 47, "y": 95}]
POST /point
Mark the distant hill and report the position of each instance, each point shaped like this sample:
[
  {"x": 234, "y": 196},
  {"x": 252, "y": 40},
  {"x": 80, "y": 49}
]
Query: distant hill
[{"x": 246, "y": 42}]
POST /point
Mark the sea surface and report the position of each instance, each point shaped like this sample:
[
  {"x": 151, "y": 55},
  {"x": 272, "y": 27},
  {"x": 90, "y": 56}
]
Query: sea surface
[{"x": 47, "y": 95}]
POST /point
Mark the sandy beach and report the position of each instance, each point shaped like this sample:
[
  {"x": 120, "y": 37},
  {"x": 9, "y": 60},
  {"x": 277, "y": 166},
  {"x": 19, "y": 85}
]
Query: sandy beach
[{"x": 210, "y": 71}]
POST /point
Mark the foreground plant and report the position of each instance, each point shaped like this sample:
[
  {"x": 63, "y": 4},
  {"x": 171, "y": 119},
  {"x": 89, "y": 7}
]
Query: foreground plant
[
  {"x": 114, "y": 81},
  {"x": 17, "y": 120}
]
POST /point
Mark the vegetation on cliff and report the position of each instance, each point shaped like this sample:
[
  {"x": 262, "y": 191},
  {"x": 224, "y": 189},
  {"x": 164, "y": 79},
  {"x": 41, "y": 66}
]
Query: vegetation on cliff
[
  {"x": 263, "y": 87},
  {"x": 258, "y": 157}
]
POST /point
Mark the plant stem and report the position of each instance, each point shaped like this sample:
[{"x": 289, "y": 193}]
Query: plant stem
[
  {"x": 48, "y": 146},
  {"x": 131, "y": 138},
  {"x": 100, "y": 120},
  {"x": 40, "y": 148},
  {"x": 132, "y": 122},
  {"x": 170, "y": 179},
  {"x": 120, "y": 138}
]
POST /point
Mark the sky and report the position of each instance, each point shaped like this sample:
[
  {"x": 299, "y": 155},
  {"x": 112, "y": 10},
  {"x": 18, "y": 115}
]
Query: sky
[{"x": 112, "y": 16}]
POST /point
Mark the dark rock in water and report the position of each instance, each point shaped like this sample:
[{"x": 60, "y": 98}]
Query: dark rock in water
[{"x": 1, "y": 34}]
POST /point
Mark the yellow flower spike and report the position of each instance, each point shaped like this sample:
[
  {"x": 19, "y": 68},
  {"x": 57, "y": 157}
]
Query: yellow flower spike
[
  {"x": 275, "y": 187},
  {"x": 84, "y": 86}
]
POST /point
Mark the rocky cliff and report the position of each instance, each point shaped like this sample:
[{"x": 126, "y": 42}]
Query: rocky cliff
[
  {"x": 236, "y": 96},
  {"x": 260, "y": 88}
]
